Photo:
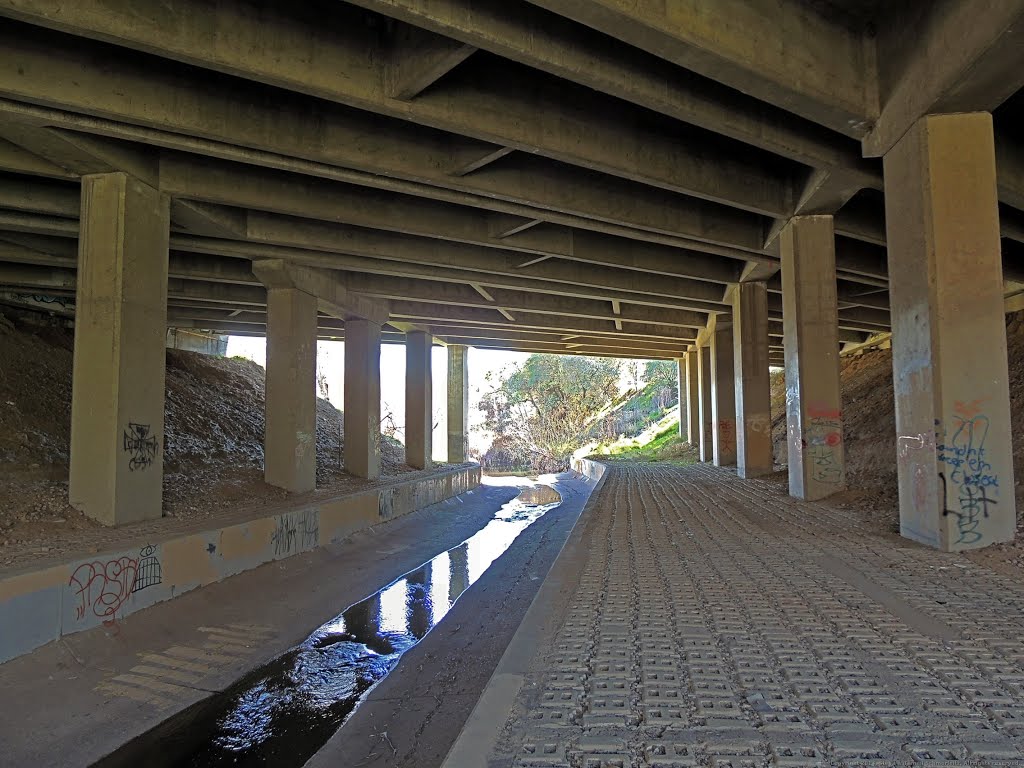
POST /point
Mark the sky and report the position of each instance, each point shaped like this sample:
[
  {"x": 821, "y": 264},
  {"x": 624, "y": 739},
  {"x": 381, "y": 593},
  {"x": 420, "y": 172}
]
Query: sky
[{"x": 331, "y": 362}]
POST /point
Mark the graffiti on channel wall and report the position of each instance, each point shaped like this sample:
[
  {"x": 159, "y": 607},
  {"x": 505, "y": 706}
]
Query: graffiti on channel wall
[
  {"x": 295, "y": 532},
  {"x": 103, "y": 587}
]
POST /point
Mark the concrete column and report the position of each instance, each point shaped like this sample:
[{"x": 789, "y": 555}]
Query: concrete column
[
  {"x": 810, "y": 329},
  {"x": 753, "y": 390},
  {"x": 419, "y": 410},
  {"x": 362, "y": 398},
  {"x": 689, "y": 393},
  {"x": 117, "y": 401},
  {"x": 289, "y": 442},
  {"x": 458, "y": 403},
  {"x": 723, "y": 392},
  {"x": 705, "y": 415},
  {"x": 954, "y": 452}
]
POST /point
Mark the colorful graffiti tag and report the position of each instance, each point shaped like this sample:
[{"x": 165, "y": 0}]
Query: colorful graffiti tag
[{"x": 104, "y": 587}]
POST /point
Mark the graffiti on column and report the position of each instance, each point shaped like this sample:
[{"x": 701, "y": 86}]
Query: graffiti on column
[
  {"x": 968, "y": 483},
  {"x": 726, "y": 433},
  {"x": 822, "y": 438},
  {"x": 140, "y": 445}
]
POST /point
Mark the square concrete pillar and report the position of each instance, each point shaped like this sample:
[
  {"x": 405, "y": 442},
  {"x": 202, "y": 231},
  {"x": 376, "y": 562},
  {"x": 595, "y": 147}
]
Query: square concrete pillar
[
  {"x": 753, "y": 389},
  {"x": 810, "y": 328},
  {"x": 458, "y": 403},
  {"x": 689, "y": 393},
  {"x": 117, "y": 400},
  {"x": 289, "y": 442},
  {"x": 723, "y": 391},
  {"x": 954, "y": 452},
  {"x": 419, "y": 410},
  {"x": 706, "y": 415},
  {"x": 362, "y": 398}
]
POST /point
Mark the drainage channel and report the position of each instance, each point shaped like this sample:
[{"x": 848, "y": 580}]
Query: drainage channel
[{"x": 282, "y": 713}]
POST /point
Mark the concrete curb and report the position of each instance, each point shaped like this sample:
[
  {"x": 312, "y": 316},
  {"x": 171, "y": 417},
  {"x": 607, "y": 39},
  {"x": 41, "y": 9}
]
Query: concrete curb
[
  {"x": 38, "y": 606},
  {"x": 483, "y": 728}
]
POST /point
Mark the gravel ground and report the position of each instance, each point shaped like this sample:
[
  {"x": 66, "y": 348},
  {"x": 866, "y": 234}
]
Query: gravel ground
[{"x": 213, "y": 445}]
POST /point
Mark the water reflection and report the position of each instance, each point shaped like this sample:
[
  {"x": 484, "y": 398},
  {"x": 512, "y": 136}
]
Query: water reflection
[{"x": 282, "y": 713}]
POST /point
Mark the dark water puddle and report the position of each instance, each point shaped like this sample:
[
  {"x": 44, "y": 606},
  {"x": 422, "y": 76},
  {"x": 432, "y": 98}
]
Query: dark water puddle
[{"x": 282, "y": 713}]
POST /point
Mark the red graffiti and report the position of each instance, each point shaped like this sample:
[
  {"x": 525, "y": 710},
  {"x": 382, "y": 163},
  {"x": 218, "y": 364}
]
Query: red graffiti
[
  {"x": 104, "y": 587},
  {"x": 968, "y": 411},
  {"x": 833, "y": 439}
]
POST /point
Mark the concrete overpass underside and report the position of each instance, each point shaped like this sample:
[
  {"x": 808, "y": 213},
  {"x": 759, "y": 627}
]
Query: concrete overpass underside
[{"x": 731, "y": 185}]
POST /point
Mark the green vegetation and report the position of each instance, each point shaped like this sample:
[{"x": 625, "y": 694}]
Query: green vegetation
[{"x": 661, "y": 442}]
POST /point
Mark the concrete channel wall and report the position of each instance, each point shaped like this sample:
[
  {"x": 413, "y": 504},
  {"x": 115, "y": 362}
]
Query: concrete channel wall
[
  {"x": 589, "y": 468},
  {"x": 41, "y": 605}
]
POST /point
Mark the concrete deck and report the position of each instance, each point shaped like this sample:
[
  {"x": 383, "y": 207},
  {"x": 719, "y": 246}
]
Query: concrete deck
[{"x": 694, "y": 619}]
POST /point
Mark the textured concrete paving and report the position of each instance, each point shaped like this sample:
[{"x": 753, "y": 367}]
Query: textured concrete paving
[{"x": 714, "y": 622}]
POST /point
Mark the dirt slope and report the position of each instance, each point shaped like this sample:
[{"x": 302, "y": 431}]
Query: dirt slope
[
  {"x": 213, "y": 435},
  {"x": 869, "y": 431}
]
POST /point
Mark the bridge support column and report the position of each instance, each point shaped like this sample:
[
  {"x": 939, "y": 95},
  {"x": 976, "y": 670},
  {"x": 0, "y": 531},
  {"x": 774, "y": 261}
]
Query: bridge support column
[
  {"x": 419, "y": 410},
  {"x": 689, "y": 395},
  {"x": 289, "y": 441},
  {"x": 810, "y": 328},
  {"x": 723, "y": 392},
  {"x": 753, "y": 390},
  {"x": 458, "y": 403},
  {"x": 955, "y": 458},
  {"x": 706, "y": 416},
  {"x": 117, "y": 401},
  {"x": 362, "y": 398}
]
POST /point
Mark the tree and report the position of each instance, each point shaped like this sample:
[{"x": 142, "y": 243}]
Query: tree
[
  {"x": 662, "y": 378},
  {"x": 544, "y": 411}
]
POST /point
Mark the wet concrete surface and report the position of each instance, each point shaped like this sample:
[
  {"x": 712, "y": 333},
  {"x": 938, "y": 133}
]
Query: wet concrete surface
[
  {"x": 85, "y": 696},
  {"x": 282, "y": 713},
  {"x": 412, "y": 718}
]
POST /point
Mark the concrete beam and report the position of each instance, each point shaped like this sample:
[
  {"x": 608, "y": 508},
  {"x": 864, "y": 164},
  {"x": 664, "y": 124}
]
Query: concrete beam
[
  {"x": 502, "y": 114},
  {"x": 332, "y": 296},
  {"x": 54, "y": 227},
  {"x": 572, "y": 52},
  {"x": 362, "y": 398},
  {"x": 562, "y": 349},
  {"x": 277, "y": 192},
  {"x": 339, "y": 238},
  {"x": 418, "y": 59},
  {"x": 785, "y": 52},
  {"x": 530, "y": 187},
  {"x": 517, "y": 301},
  {"x": 966, "y": 56},
  {"x": 17, "y": 159}
]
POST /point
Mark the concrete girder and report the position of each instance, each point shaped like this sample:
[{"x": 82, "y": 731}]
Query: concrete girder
[
  {"x": 517, "y": 301},
  {"x": 332, "y": 296},
  {"x": 339, "y": 238},
  {"x": 423, "y": 311},
  {"x": 966, "y": 56},
  {"x": 572, "y": 280},
  {"x": 418, "y": 59},
  {"x": 532, "y": 188},
  {"x": 550, "y": 43},
  {"x": 306, "y": 55},
  {"x": 562, "y": 349},
  {"x": 276, "y": 192},
  {"x": 786, "y": 53},
  {"x": 17, "y": 159}
]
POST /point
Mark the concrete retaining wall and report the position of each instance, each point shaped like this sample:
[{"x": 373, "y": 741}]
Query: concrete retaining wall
[
  {"x": 42, "y": 605},
  {"x": 589, "y": 468}
]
